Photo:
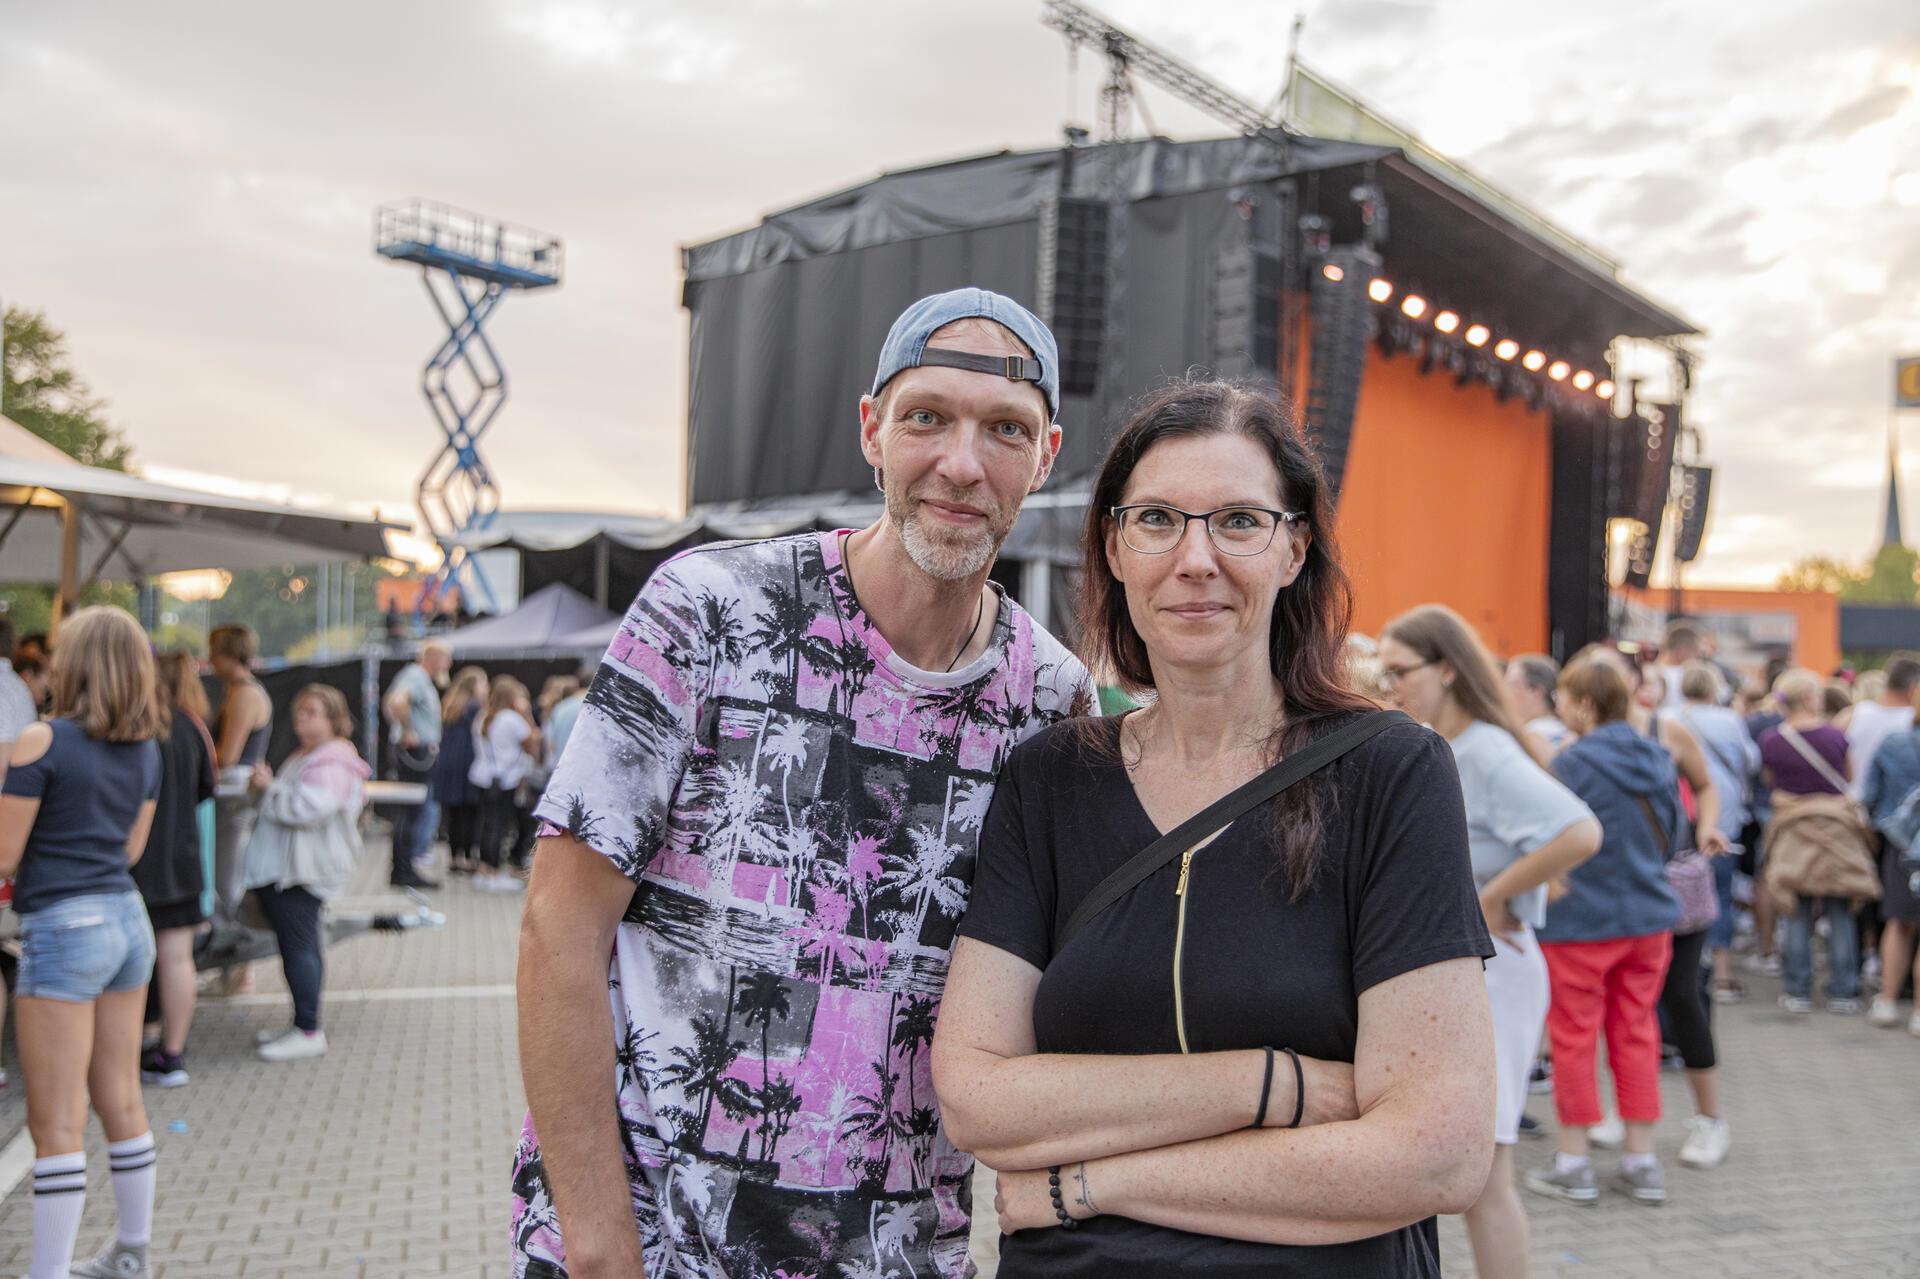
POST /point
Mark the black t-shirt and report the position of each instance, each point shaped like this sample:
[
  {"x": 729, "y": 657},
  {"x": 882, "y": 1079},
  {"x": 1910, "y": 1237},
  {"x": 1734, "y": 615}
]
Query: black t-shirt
[
  {"x": 169, "y": 871},
  {"x": 1394, "y": 893}
]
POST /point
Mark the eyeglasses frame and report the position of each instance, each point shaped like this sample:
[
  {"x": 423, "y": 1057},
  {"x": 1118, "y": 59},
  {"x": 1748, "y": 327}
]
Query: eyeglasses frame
[{"x": 1118, "y": 513}]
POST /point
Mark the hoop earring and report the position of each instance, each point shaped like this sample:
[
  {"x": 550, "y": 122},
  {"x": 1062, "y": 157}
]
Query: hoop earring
[{"x": 880, "y": 479}]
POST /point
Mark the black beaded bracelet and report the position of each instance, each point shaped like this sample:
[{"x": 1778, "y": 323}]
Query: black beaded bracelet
[
  {"x": 1059, "y": 1204},
  {"x": 1299, "y": 1088},
  {"x": 1266, "y": 1092}
]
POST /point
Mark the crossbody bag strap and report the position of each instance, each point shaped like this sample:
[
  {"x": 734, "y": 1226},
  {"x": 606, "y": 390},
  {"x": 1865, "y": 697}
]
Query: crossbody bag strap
[
  {"x": 1813, "y": 757},
  {"x": 1660, "y": 839},
  {"x": 1211, "y": 820}
]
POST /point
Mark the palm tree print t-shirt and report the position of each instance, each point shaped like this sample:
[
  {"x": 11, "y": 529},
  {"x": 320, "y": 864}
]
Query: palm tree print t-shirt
[{"x": 799, "y": 810}]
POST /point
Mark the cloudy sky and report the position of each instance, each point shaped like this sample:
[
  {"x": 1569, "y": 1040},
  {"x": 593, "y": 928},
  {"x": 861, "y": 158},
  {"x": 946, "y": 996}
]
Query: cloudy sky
[{"x": 188, "y": 190}]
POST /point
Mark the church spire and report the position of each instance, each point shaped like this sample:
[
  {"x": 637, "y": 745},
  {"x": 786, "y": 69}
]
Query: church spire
[{"x": 1891, "y": 536}]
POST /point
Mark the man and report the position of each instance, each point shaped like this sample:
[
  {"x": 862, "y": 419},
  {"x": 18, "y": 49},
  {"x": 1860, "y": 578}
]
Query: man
[
  {"x": 1531, "y": 681},
  {"x": 789, "y": 748},
  {"x": 1684, "y": 644},
  {"x": 412, "y": 708},
  {"x": 1869, "y": 723}
]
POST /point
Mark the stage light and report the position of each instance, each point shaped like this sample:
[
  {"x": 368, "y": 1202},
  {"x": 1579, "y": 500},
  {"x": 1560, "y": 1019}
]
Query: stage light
[
  {"x": 1558, "y": 370},
  {"x": 1477, "y": 334},
  {"x": 1334, "y": 272},
  {"x": 1532, "y": 361},
  {"x": 1604, "y": 390},
  {"x": 1507, "y": 348},
  {"x": 1582, "y": 380},
  {"x": 1446, "y": 321},
  {"x": 1414, "y": 307},
  {"x": 1379, "y": 290}
]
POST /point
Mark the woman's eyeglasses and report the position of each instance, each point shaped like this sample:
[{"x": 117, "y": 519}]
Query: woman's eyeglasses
[
  {"x": 1236, "y": 530},
  {"x": 1392, "y": 675}
]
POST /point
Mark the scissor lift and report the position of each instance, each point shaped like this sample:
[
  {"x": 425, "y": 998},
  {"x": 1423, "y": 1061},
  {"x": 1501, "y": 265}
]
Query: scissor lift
[{"x": 468, "y": 264}]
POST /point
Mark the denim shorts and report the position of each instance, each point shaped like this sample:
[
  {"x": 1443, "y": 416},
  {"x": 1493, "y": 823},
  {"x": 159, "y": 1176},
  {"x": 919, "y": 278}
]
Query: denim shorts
[{"x": 83, "y": 947}]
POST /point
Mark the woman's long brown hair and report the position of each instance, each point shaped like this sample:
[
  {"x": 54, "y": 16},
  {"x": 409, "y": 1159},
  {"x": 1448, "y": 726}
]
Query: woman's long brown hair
[
  {"x": 1438, "y": 634},
  {"x": 1310, "y": 617}
]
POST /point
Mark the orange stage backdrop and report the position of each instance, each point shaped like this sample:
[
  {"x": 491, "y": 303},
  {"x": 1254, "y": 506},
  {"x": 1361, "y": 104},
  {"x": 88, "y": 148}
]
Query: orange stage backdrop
[
  {"x": 1445, "y": 501},
  {"x": 1816, "y": 614}
]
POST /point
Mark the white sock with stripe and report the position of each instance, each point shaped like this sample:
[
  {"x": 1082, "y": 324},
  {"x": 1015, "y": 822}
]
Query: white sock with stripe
[
  {"x": 59, "y": 1196},
  {"x": 133, "y": 1178}
]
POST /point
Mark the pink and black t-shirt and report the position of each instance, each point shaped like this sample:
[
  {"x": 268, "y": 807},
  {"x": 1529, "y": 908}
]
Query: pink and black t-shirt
[{"x": 798, "y": 809}]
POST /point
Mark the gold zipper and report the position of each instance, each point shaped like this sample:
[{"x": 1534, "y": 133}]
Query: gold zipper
[
  {"x": 1179, "y": 944},
  {"x": 1180, "y": 937}
]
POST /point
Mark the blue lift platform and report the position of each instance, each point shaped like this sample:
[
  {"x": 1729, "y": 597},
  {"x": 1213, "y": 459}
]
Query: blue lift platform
[{"x": 468, "y": 264}]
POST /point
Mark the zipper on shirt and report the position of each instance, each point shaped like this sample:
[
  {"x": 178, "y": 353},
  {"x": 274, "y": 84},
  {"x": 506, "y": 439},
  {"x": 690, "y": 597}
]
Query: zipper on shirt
[
  {"x": 1179, "y": 944},
  {"x": 1180, "y": 937}
]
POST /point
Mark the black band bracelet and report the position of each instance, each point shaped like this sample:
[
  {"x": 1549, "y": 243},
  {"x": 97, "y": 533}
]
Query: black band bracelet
[
  {"x": 1266, "y": 1092},
  {"x": 1059, "y": 1205},
  {"x": 1299, "y": 1088}
]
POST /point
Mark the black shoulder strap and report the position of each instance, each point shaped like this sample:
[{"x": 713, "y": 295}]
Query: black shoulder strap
[{"x": 1221, "y": 813}]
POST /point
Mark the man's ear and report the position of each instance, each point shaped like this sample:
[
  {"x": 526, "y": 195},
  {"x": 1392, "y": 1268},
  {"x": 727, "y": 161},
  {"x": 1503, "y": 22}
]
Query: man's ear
[
  {"x": 1049, "y": 453},
  {"x": 870, "y": 423}
]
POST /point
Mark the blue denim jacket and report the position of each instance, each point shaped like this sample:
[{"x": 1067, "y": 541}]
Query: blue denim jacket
[{"x": 1621, "y": 891}]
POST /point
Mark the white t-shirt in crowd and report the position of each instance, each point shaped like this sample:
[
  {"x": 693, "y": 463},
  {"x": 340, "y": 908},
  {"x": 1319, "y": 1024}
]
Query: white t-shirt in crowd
[
  {"x": 1551, "y": 732},
  {"x": 16, "y": 705},
  {"x": 499, "y": 755},
  {"x": 1513, "y": 807},
  {"x": 1872, "y": 723}
]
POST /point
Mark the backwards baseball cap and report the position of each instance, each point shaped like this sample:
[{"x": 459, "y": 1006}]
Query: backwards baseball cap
[{"x": 906, "y": 345}]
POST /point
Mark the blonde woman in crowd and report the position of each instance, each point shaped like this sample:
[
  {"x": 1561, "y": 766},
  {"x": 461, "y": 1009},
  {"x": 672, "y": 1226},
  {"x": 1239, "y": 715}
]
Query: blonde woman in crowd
[{"x": 75, "y": 809}]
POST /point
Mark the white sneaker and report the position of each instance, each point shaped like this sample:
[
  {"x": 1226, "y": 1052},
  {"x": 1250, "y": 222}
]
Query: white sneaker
[
  {"x": 1609, "y": 1134},
  {"x": 508, "y": 884},
  {"x": 1766, "y": 965},
  {"x": 1884, "y": 1013},
  {"x": 1707, "y": 1142},
  {"x": 295, "y": 1045},
  {"x": 268, "y": 1036}
]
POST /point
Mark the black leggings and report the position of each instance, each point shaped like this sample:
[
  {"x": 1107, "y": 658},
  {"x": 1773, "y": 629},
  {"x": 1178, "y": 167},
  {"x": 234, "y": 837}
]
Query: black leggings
[
  {"x": 463, "y": 830},
  {"x": 1684, "y": 1002},
  {"x": 295, "y": 916},
  {"x": 498, "y": 825}
]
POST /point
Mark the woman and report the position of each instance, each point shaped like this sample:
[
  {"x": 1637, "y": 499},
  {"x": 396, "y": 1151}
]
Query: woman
[
  {"x": 1609, "y": 940},
  {"x": 1733, "y": 762},
  {"x": 457, "y": 796},
  {"x": 303, "y": 852},
  {"x": 1804, "y": 761},
  {"x": 1525, "y": 830},
  {"x": 240, "y": 734},
  {"x": 1338, "y": 921},
  {"x": 169, "y": 873},
  {"x": 503, "y": 752},
  {"x": 75, "y": 810}
]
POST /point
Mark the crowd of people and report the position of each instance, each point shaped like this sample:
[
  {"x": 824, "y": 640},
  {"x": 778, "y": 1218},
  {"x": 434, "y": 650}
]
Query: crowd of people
[
  {"x": 484, "y": 749},
  {"x": 1632, "y": 820}
]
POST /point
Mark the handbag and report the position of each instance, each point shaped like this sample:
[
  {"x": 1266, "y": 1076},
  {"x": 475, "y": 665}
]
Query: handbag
[
  {"x": 1690, "y": 875},
  {"x": 1203, "y": 826}
]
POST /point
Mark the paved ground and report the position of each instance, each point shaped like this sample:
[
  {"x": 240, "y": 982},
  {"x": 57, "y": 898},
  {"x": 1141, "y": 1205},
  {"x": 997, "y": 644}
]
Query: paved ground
[{"x": 389, "y": 1156}]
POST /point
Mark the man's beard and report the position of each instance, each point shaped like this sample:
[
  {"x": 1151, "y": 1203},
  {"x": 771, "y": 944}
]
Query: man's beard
[{"x": 950, "y": 555}]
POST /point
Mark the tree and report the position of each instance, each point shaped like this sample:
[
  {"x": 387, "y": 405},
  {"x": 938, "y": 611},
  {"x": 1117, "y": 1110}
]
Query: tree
[
  {"x": 40, "y": 390},
  {"x": 1816, "y": 573},
  {"x": 1889, "y": 579}
]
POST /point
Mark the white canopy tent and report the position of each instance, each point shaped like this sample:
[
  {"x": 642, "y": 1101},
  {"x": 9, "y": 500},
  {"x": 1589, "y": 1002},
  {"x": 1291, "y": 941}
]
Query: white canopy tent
[{"x": 73, "y": 525}]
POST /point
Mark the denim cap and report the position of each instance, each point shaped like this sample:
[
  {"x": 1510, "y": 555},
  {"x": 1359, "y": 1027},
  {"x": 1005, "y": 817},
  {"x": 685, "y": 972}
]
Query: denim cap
[{"x": 906, "y": 345}]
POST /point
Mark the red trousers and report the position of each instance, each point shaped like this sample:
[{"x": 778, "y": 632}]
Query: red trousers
[{"x": 1613, "y": 985}]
